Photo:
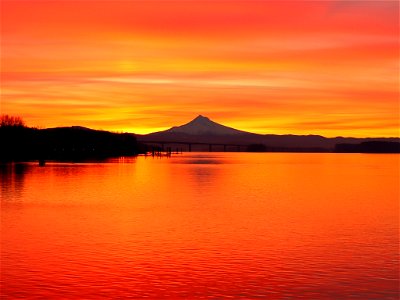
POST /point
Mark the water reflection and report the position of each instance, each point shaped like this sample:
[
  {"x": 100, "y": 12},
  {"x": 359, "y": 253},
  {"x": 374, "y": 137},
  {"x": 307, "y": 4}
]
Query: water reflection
[
  {"x": 204, "y": 161},
  {"x": 200, "y": 159},
  {"x": 12, "y": 178},
  {"x": 204, "y": 176}
]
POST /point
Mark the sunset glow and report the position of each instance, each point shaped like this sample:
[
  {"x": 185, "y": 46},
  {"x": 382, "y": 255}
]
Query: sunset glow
[{"x": 301, "y": 67}]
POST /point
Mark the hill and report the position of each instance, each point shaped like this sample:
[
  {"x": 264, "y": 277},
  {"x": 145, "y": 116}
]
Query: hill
[{"x": 64, "y": 143}]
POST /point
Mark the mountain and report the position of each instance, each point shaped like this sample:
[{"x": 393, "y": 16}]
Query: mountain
[
  {"x": 203, "y": 130},
  {"x": 200, "y": 130},
  {"x": 204, "y": 126}
]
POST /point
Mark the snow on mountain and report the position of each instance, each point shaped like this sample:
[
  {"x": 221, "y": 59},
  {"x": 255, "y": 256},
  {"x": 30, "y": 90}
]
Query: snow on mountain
[{"x": 204, "y": 126}]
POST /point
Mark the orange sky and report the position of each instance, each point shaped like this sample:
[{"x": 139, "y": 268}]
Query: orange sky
[{"x": 303, "y": 67}]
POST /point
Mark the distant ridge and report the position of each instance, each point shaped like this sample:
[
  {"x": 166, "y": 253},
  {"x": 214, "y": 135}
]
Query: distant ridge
[
  {"x": 72, "y": 128},
  {"x": 202, "y": 129}
]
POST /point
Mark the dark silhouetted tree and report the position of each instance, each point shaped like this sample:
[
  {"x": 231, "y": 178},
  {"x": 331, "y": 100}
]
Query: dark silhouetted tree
[{"x": 10, "y": 121}]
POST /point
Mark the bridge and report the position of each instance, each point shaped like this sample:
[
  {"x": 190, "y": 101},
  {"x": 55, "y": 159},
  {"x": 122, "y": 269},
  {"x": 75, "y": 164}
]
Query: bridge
[{"x": 225, "y": 146}]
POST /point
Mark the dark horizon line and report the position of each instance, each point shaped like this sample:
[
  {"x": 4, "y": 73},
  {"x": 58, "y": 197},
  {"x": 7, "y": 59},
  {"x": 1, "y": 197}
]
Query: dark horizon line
[{"x": 261, "y": 134}]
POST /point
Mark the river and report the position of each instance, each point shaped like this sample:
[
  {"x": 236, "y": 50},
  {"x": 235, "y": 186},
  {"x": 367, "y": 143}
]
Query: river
[{"x": 202, "y": 225}]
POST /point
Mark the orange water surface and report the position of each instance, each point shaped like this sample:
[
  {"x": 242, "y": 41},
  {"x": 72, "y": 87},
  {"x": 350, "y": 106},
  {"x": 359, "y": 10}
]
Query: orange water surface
[{"x": 202, "y": 225}]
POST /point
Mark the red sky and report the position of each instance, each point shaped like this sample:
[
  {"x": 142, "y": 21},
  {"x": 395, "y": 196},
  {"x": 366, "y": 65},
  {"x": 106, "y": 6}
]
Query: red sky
[{"x": 303, "y": 67}]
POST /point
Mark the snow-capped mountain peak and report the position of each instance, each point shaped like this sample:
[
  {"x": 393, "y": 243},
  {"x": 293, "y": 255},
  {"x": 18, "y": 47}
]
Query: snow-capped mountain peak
[{"x": 204, "y": 126}]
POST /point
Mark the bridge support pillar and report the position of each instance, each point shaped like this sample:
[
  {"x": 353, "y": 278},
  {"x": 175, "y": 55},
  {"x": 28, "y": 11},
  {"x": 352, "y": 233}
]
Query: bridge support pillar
[
  {"x": 210, "y": 147},
  {"x": 190, "y": 147}
]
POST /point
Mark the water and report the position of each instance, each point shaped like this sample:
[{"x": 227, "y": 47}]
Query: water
[{"x": 203, "y": 225}]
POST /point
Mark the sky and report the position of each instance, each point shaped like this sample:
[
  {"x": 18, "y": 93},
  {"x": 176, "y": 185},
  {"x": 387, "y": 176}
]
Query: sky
[{"x": 272, "y": 67}]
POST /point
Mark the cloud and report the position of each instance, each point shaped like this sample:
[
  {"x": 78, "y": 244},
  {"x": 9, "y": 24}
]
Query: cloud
[{"x": 387, "y": 7}]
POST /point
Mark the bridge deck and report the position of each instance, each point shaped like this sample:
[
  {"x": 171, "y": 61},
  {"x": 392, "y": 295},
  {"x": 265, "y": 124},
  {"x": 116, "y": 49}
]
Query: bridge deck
[{"x": 190, "y": 144}]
